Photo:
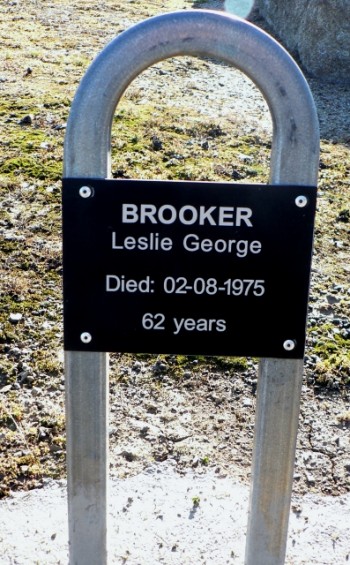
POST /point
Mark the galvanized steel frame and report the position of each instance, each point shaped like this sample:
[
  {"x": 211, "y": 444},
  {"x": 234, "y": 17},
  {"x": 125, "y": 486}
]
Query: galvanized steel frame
[{"x": 294, "y": 160}]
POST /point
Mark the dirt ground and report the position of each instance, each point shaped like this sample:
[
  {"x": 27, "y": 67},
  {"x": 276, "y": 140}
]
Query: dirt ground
[{"x": 159, "y": 516}]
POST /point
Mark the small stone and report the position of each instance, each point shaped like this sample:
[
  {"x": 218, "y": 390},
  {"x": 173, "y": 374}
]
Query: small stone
[
  {"x": 245, "y": 158},
  {"x": 236, "y": 175},
  {"x": 296, "y": 508},
  {"x": 310, "y": 478},
  {"x": 15, "y": 318},
  {"x": 332, "y": 299},
  {"x": 23, "y": 376},
  {"x": 159, "y": 367},
  {"x": 344, "y": 216},
  {"x": 128, "y": 455},
  {"x": 157, "y": 145},
  {"x": 247, "y": 402},
  {"x": 26, "y": 120},
  {"x": 347, "y": 465},
  {"x": 140, "y": 426},
  {"x": 195, "y": 462},
  {"x": 42, "y": 433}
]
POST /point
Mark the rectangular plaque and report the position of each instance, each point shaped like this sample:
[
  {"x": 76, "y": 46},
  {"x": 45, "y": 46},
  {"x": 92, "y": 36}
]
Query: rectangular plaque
[{"x": 186, "y": 267}]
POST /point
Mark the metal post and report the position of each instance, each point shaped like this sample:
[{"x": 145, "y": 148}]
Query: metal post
[
  {"x": 294, "y": 160},
  {"x": 276, "y": 425},
  {"x": 87, "y": 421}
]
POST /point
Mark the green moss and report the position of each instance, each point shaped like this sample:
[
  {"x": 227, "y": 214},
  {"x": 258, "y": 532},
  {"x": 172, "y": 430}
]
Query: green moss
[
  {"x": 11, "y": 413},
  {"x": 333, "y": 351},
  {"x": 8, "y": 246},
  {"x": 47, "y": 364},
  {"x": 232, "y": 363},
  {"x": 31, "y": 167},
  {"x": 184, "y": 149}
]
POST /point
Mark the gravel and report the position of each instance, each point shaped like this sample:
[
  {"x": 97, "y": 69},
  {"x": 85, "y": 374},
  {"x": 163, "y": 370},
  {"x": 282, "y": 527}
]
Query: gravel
[{"x": 162, "y": 517}]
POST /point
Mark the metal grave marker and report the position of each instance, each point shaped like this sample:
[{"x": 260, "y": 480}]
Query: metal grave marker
[
  {"x": 186, "y": 267},
  {"x": 187, "y": 276}
]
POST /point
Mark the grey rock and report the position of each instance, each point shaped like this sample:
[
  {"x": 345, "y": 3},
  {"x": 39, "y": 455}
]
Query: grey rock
[{"x": 316, "y": 31}]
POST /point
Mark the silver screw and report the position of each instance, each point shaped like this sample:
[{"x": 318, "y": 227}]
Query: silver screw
[
  {"x": 85, "y": 191},
  {"x": 289, "y": 345},
  {"x": 85, "y": 337},
  {"x": 301, "y": 201}
]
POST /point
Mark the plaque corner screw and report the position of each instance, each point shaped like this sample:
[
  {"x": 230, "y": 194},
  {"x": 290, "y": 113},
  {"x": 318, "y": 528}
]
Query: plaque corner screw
[
  {"x": 85, "y": 191},
  {"x": 85, "y": 337},
  {"x": 301, "y": 201},
  {"x": 289, "y": 344}
]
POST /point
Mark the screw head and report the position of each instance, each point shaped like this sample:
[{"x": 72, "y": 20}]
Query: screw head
[
  {"x": 289, "y": 344},
  {"x": 85, "y": 191},
  {"x": 301, "y": 201},
  {"x": 85, "y": 337}
]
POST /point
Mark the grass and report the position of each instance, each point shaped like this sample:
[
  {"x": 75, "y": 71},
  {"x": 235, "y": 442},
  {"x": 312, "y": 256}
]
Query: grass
[{"x": 188, "y": 143}]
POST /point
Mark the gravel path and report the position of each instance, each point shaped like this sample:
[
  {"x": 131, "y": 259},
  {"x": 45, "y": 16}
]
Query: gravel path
[{"x": 153, "y": 519}]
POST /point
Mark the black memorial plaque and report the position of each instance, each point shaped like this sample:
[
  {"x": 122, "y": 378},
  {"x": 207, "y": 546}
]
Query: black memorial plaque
[{"x": 186, "y": 267}]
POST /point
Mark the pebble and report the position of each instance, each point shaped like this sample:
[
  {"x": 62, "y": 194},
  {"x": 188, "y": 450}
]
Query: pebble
[
  {"x": 332, "y": 299},
  {"x": 310, "y": 478},
  {"x": 26, "y": 120},
  {"x": 157, "y": 144},
  {"x": 15, "y": 318},
  {"x": 159, "y": 367},
  {"x": 247, "y": 402},
  {"x": 23, "y": 376},
  {"x": 137, "y": 366}
]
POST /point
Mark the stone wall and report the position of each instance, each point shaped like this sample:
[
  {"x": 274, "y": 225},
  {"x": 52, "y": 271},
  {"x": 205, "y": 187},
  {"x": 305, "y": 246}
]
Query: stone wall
[{"x": 317, "y": 32}]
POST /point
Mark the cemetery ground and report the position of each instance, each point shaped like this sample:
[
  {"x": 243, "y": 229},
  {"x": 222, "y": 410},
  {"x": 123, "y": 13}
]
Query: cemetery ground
[{"x": 183, "y": 119}]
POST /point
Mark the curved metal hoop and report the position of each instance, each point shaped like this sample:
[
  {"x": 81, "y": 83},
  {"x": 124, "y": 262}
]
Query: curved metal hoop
[{"x": 198, "y": 33}]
